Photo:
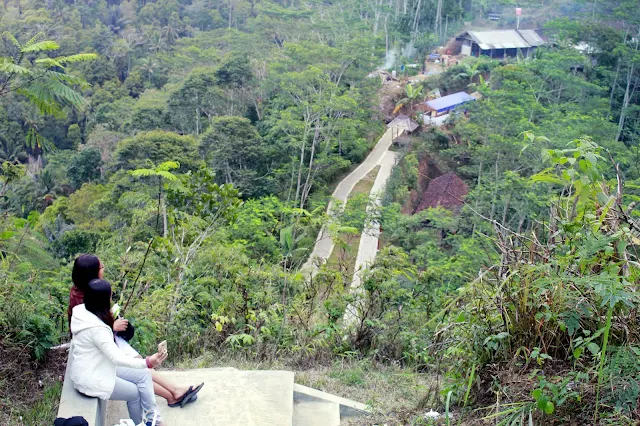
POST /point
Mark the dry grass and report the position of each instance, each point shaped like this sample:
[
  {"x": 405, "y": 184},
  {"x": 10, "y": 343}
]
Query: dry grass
[{"x": 29, "y": 391}]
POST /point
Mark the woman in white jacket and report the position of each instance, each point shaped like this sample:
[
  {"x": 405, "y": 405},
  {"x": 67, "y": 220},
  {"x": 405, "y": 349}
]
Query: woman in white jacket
[{"x": 99, "y": 368}]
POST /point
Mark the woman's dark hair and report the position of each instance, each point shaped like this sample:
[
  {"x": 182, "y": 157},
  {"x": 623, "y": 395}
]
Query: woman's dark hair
[
  {"x": 97, "y": 300},
  {"x": 85, "y": 268}
]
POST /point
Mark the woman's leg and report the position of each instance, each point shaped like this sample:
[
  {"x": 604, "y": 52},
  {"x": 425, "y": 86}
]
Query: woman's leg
[
  {"x": 142, "y": 379},
  {"x": 126, "y": 347},
  {"x": 165, "y": 389},
  {"x": 161, "y": 386},
  {"x": 128, "y": 391}
]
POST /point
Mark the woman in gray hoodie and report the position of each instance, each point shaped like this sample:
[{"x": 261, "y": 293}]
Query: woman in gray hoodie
[{"x": 99, "y": 368}]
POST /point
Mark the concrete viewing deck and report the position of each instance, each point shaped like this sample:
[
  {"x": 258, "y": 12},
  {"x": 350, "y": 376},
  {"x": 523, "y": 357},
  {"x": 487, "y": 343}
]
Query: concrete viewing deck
[{"x": 229, "y": 397}]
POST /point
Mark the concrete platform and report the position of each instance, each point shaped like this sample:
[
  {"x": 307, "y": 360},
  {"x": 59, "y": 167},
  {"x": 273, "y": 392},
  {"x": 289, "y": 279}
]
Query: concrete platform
[
  {"x": 310, "y": 413},
  {"x": 228, "y": 398},
  {"x": 348, "y": 408}
]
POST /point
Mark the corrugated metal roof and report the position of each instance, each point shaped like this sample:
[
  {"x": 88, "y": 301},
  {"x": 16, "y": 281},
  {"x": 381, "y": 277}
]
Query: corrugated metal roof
[
  {"x": 499, "y": 39},
  {"x": 531, "y": 37},
  {"x": 449, "y": 102},
  {"x": 505, "y": 39}
]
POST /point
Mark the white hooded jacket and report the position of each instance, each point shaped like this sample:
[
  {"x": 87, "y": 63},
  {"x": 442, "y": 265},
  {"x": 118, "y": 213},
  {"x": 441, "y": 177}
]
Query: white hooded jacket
[{"x": 95, "y": 355}]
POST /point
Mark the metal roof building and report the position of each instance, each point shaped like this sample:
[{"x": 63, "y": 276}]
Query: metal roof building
[
  {"x": 499, "y": 43},
  {"x": 404, "y": 122},
  {"x": 531, "y": 37},
  {"x": 447, "y": 103}
]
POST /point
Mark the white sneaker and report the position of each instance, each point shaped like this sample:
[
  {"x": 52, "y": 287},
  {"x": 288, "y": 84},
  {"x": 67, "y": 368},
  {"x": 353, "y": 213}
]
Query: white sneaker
[{"x": 150, "y": 418}]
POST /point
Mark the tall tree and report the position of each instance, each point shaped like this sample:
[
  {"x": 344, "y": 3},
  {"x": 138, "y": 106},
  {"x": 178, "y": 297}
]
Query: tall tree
[{"x": 233, "y": 148}]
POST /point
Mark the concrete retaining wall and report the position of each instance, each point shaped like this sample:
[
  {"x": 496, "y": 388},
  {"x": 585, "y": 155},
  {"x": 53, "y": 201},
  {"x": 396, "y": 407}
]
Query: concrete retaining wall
[{"x": 73, "y": 403}]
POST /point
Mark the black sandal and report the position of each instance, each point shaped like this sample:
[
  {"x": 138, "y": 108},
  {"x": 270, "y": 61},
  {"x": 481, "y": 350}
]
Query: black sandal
[
  {"x": 191, "y": 395},
  {"x": 178, "y": 403}
]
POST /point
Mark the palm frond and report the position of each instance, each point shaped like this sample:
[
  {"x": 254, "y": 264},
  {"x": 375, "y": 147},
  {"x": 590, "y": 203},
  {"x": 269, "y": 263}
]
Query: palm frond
[
  {"x": 12, "y": 39},
  {"x": 41, "y": 46}
]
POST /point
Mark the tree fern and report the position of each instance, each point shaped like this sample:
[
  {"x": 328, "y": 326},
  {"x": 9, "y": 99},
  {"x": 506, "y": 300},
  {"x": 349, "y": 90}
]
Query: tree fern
[
  {"x": 13, "y": 40},
  {"x": 41, "y": 80},
  {"x": 41, "y": 46},
  {"x": 143, "y": 173},
  {"x": 7, "y": 66},
  {"x": 33, "y": 39},
  {"x": 168, "y": 165},
  {"x": 80, "y": 57}
]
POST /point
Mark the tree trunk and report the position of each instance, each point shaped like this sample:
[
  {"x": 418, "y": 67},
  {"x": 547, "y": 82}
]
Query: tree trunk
[
  {"x": 438, "y": 17},
  {"x": 613, "y": 86},
  {"x": 299, "y": 185},
  {"x": 305, "y": 191},
  {"x": 625, "y": 102},
  {"x": 416, "y": 19},
  {"x": 627, "y": 94},
  {"x": 164, "y": 219}
]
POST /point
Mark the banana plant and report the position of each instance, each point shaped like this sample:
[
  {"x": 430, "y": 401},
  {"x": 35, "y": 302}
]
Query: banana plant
[{"x": 413, "y": 93}]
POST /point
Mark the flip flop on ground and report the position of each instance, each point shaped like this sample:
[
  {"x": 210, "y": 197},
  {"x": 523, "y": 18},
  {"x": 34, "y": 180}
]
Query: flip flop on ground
[{"x": 191, "y": 395}]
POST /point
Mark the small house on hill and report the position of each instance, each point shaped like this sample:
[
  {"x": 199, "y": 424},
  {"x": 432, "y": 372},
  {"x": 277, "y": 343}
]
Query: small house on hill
[
  {"x": 404, "y": 122},
  {"x": 447, "y": 191},
  {"x": 499, "y": 43},
  {"x": 437, "y": 110}
]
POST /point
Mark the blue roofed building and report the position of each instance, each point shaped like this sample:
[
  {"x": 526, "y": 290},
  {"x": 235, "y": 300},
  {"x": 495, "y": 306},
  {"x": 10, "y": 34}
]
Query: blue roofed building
[{"x": 437, "y": 110}]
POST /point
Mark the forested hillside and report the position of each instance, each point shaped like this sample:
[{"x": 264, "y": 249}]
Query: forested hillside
[{"x": 193, "y": 146}]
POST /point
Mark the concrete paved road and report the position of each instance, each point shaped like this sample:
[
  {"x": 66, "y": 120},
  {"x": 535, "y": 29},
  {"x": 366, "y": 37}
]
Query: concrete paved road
[
  {"x": 228, "y": 398},
  {"x": 324, "y": 244},
  {"x": 368, "y": 248}
]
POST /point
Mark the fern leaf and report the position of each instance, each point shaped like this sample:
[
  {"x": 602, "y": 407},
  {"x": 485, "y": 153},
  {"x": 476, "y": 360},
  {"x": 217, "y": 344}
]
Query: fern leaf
[
  {"x": 168, "y": 165},
  {"x": 80, "y": 57},
  {"x": 36, "y": 140},
  {"x": 54, "y": 90},
  {"x": 49, "y": 63},
  {"x": 143, "y": 173},
  {"x": 7, "y": 66},
  {"x": 41, "y": 46},
  {"x": 43, "y": 99},
  {"x": 34, "y": 38},
  {"x": 67, "y": 78},
  {"x": 167, "y": 175},
  {"x": 12, "y": 39}
]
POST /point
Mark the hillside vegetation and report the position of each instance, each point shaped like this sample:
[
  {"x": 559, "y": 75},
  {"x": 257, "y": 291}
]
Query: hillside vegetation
[{"x": 193, "y": 144}]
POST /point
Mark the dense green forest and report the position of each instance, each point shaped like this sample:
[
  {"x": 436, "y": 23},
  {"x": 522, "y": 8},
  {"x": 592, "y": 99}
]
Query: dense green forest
[{"x": 193, "y": 146}]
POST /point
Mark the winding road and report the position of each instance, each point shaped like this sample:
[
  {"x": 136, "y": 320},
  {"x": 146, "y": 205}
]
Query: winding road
[{"x": 380, "y": 155}]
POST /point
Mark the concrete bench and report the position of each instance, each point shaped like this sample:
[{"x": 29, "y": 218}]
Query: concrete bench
[{"x": 73, "y": 403}]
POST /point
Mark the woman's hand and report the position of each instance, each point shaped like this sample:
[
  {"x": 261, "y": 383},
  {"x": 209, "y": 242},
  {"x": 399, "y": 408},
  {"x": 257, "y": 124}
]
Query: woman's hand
[
  {"x": 157, "y": 359},
  {"x": 120, "y": 324}
]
